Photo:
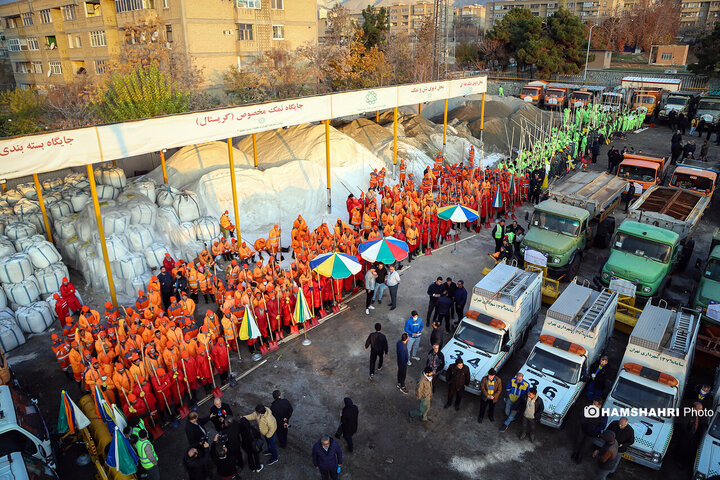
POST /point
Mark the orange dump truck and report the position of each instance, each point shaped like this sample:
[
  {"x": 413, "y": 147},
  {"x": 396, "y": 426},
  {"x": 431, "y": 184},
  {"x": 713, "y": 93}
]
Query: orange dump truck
[
  {"x": 534, "y": 92},
  {"x": 647, "y": 101},
  {"x": 644, "y": 171}
]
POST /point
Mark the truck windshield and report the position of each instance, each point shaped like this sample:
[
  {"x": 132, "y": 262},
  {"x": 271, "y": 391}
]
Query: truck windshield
[
  {"x": 554, "y": 365},
  {"x": 585, "y": 96},
  {"x": 691, "y": 182},
  {"x": 709, "y": 105},
  {"x": 37, "y": 470},
  {"x": 634, "y": 172},
  {"x": 642, "y": 247},
  {"x": 646, "y": 99},
  {"x": 676, "y": 101},
  {"x": 611, "y": 99},
  {"x": 641, "y": 396},
  {"x": 712, "y": 270},
  {"x": 529, "y": 91},
  {"x": 478, "y": 338},
  {"x": 555, "y": 223},
  {"x": 28, "y": 416}
]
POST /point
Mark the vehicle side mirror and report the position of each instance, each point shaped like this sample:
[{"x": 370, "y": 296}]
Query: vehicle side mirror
[{"x": 505, "y": 348}]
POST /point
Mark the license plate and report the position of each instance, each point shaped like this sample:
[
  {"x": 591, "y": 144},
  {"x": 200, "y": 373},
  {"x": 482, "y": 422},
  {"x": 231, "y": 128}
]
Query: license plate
[{"x": 627, "y": 457}]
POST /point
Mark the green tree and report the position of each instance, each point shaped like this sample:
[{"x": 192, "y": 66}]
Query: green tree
[
  {"x": 376, "y": 25},
  {"x": 566, "y": 52},
  {"x": 524, "y": 36},
  {"x": 708, "y": 54},
  {"x": 143, "y": 93},
  {"x": 20, "y": 112},
  {"x": 467, "y": 54}
]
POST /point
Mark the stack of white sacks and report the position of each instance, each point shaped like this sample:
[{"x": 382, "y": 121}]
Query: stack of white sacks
[{"x": 142, "y": 222}]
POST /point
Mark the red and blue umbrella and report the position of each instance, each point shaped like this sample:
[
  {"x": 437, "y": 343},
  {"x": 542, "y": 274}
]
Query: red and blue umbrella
[
  {"x": 457, "y": 214},
  {"x": 386, "y": 250}
]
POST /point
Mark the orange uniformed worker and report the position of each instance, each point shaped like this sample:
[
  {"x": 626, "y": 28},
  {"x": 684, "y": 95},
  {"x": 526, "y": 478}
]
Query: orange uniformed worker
[{"x": 227, "y": 228}]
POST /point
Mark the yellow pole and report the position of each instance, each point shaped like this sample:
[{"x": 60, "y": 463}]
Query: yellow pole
[
  {"x": 377, "y": 116},
  {"x": 101, "y": 233},
  {"x": 38, "y": 189},
  {"x": 445, "y": 125},
  {"x": 482, "y": 113},
  {"x": 419, "y": 108},
  {"x": 4, "y": 185},
  {"x": 164, "y": 167},
  {"x": 327, "y": 162},
  {"x": 231, "y": 155},
  {"x": 254, "y": 137},
  {"x": 394, "y": 138}
]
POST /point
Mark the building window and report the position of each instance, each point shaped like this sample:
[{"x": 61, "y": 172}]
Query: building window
[
  {"x": 278, "y": 32},
  {"x": 11, "y": 22},
  {"x": 168, "y": 33},
  {"x": 97, "y": 39},
  {"x": 247, "y": 4},
  {"x": 100, "y": 67},
  {"x": 22, "y": 67},
  {"x": 56, "y": 68},
  {"x": 244, "y": 31},
  {"x": 69, "y": 12},
  {"x": 92, "y": 9},
  {"x": 130, "y": 5},
  {"x": 74, "y": 41},
  {"x": 51, "y": 42},
  {"x": 666, "y": 56},
  {"x": 27, "y": 19},
  {"x": 45, "y": 16},
  {"x": 33, "y": 43},
  {"x": 166, "y": 3},
  {"x": 36, "y": 67},
  {"x": 277, "y": 4},
  {"x": 16, "y": 44}
]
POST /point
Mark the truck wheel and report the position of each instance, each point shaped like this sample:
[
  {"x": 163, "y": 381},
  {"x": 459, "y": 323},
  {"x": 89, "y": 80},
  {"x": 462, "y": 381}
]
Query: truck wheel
[
  {"x": 574, "y": 267},
  {"x": 685, "y": 255}
]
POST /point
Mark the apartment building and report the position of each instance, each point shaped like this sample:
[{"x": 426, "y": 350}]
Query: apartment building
[
  {"x": 474, "y": 14},
  {"x": 51, "y": 42},
  {"x": 699, "y": 14},
  {"x": 587, "y": 11},
  {"x": 409, "y": 17}
]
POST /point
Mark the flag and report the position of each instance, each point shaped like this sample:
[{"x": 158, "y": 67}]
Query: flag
[
  {"x": 102, "y": 408},
  {"x": 71, "y": 418},
  {"x": 302, "y": 311},
  {"x": 512, "y": 186},
  {"x": 121, "y": 454},
  {"x": 248, "y": 327},
  {"x": 497, "y": 200},
  {"x": 120, "y": 420}
]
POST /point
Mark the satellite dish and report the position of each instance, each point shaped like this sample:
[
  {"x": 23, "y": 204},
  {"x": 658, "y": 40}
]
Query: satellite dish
[{"x": 49, "y": 74}]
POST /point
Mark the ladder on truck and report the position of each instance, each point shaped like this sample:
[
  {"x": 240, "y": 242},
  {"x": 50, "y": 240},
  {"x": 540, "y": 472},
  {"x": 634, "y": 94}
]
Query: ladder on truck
[
  {"x": 514, "y": 287},
  {"x": 596, "y": 310},
  {"x": 681, "y": 334}
]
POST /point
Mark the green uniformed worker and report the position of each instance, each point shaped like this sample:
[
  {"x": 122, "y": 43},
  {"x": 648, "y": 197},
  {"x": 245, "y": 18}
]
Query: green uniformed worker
[{"x": 147, "y": 457}]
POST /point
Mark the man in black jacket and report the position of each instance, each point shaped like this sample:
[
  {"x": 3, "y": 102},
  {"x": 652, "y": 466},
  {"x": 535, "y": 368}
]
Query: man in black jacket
[
  {"x": 246, "y": 442},
  {"x": 195, "y": 432},
  {"x": 197, "y": 462},
  {"x": 590, "y": 429},
  {"x": 348, "y": 422},
  {"x": 451, "y": 288},
  {"x": 434, "y": 291},
  {"x": 233, "y": 442},
  {"x": 530, "y": 407},
  {"x": 377, "y": 343},
  {"x": 167, "y": 282},
  {"x": 282, "y": 411},
  {"x": 460, "y": 299},
  {"x": 218, "y": 412},
  {"x": 624, "y": 433},
  {"x": 443, "y": 308},
  {"x": 598, "y": 379},
  {"x": 180, "y": 285},
  {"x": 435, "y": 361},
  {"x": 457, "y": 376},
  {"x": 436, "y": 336}
]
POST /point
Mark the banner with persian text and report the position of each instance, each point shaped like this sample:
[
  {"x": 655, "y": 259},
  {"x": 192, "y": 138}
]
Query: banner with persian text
[{"x": 48, "y": 152}]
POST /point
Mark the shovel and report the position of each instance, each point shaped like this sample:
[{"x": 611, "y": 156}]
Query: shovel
[
  {"x": 216, "y": 390},
  {"x": 272, "y": 343},
  {"x": 314, "y": 322},
  {"x": 294, "y": 330},
  {"x": 263, "y": 348},
  {"x": 156, "y": 431}
]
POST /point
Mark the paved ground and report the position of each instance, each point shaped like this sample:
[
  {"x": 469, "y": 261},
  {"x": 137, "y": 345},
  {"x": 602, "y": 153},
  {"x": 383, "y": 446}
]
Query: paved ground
[{"x": 315, "y": 379}]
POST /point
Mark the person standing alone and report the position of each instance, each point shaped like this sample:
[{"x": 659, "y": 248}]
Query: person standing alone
[
  {"x": 327, "y": 457},
  {"x": 282, "y": 411},
  {"x": 393, "y": 282},
  {"x": 377, "y": 343},
  {"x": 413, "y": 327},
  {"x": 458, "y": 377},
  {"x": 348, "y": 422},
  {"x": 403, "y": 360},
  {"x": 369, "y": 290}
]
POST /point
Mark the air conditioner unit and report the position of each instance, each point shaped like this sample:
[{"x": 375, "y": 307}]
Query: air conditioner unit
[
  {"x": 167, "y": 45},
  {"x": 227, "y": 32}
]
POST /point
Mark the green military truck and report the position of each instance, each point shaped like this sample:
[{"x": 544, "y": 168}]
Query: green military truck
[
  {"x": 575, "y": 216},
  {"x": 655, "y": 239},
  {"x": 708, "y": 288}
]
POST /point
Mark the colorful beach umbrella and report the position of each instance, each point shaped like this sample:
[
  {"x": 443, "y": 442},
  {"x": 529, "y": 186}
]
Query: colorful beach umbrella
[
  {"x": 71, "y": 418},
  {"x": 121, "y": 455},
  {"x": 302, "y": 310},
  {"x": 457, "y": 214},
  {"x": 248, "y": 327},
  {"x": 497, "y": 199},
  {"x": 385, "y": 250},
  {"x": 335, "y": 265}
]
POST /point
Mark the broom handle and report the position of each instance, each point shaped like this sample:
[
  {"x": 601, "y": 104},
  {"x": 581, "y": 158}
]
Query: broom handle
[
  {"x": 167, "y": 405},
  {"x": 212, "y": 375},
  {"x": 142, "y": 395},
  {"x": 177, "y": 384},
  {"x": 267, "y": 318},
  {"x": 187, "y": 382},
  {"x": 237, "y": 340}
]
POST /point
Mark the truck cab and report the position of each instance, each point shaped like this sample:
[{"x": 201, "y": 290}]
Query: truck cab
[
  {"x": 534, "y": 92},
  {"x": 708, "y": 288},
  {"x": 652, "y": 379},
  {"x": 504, "y": 308},
  {"x": 707, "y": 459},
  {"x": 643, "y": 254},
  {"x": 699, "y": 180},
  {"x": 585, "y": 96},
  {"x": 576, "y": 331},
  {"x": 22, "y": 427},
  {"x": 709, "y": 109},
  {"x": 647, "y": 101},
  {"x": 642, "y": 170},
  {"x": 679, "y": 102},
  {"x": 18, "y": 466},
  {"x": 558, "y": 94},
  {"x": 559, "y": 232}
]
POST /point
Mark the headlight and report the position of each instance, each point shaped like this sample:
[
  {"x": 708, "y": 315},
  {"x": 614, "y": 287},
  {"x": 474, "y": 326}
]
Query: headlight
[
  {"x": 556, "y": 260},
  {"x": 523, "y": 248},
  {"x": 647, "y": 289},
  {"x": 656, "y": 457},
  {"x": 699, "y": 476},
  {"x": 605, "y": 275}
]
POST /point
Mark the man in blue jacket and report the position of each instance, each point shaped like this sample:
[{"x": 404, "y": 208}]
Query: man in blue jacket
[
  {"x": 403, "y": 360},
  {"x": 327, "y": 457},
  {"x": 413, "y": 327},
  {"x": 460, "y": 299}
]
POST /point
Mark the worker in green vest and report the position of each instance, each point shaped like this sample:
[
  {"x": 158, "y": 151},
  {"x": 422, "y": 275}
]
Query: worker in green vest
[
  {"x": 146, "y": 455},
  {"x": 501, "y": 92}
]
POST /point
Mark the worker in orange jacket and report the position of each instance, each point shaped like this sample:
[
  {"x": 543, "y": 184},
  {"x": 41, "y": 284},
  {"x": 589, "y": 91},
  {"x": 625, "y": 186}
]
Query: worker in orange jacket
[
  {"x": 226, "y": 227},
  {"x": 61, "y": 349}
]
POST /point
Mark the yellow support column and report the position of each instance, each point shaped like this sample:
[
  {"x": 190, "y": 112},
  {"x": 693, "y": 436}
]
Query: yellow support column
[
  {"x": 482, "y": 113},
  {"x": 419, "y": 108},
  {"x": 377, "y": 116},
  {"x": 164, "y": 167},
  {"x": 38, "y": 189},
  {"x": 101, "y": 233},
  {"x": 231, "y": 157},
  {"x": 445, "y": 125},
  {"x": 394, "y": 139},
  {"x": 327, "y": 162},
  {"x": 254, "y": 138}
]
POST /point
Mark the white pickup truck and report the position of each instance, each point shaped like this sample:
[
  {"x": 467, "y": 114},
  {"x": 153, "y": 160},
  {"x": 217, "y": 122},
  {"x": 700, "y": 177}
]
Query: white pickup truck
[
  {"x": 22, "y": 427},
  {"x": 576, "y": 331},
  {"x": 504, "y": 307}
]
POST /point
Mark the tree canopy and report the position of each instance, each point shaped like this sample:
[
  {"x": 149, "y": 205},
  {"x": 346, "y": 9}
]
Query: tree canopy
[
  {"x": 376, "y": 25},
  {"x": 708, "y": 54}
]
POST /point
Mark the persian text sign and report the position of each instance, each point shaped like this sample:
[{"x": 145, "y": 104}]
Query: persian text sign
[
  {"x": 468, "y": 86},
  {"x": 362, "y": 101},
  {"x": 422, "y": 92}
]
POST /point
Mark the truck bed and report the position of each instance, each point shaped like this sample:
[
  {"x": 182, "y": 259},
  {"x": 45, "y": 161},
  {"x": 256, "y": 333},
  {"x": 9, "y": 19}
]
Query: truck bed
[
  {"x": 671, "y": 208},
  {"x": 592, "y": 191}
]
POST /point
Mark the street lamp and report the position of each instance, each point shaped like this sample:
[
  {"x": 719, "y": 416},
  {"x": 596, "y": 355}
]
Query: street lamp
[{"x": 587, "y": 54}]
